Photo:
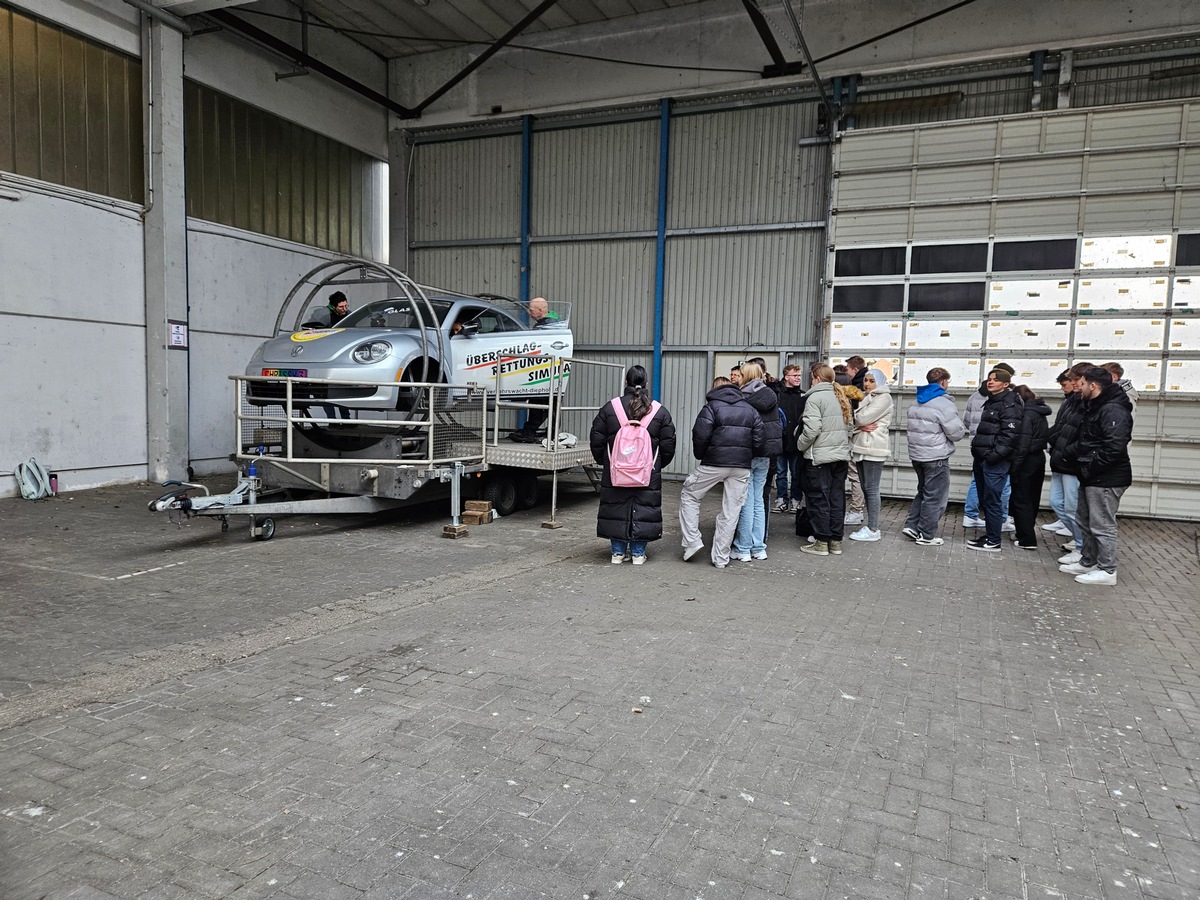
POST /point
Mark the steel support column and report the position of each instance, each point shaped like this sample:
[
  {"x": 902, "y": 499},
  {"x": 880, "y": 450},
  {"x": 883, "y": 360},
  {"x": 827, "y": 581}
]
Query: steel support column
[{"x": 660, "y": 243}]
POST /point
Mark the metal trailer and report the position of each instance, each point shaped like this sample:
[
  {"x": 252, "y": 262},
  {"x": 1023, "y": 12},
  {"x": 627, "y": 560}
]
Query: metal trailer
[{"x": 445, "y": 440}]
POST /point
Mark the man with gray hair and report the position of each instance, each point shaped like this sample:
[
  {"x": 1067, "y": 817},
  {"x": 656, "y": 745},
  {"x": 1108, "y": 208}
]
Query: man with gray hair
[{"x": 1102, "y": 452}]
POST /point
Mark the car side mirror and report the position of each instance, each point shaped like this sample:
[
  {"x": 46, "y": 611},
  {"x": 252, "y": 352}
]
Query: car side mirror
[{"x": 470, "y": 329}]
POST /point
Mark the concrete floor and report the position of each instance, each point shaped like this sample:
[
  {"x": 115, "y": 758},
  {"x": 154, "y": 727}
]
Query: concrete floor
[{"x": 362, "y": 709}]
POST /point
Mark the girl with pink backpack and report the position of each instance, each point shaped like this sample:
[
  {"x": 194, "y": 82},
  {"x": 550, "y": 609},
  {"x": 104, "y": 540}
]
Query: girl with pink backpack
[{"x": 632, "y": 438}]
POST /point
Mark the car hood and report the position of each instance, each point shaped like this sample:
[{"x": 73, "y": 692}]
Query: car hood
[{"x": 327, "y": 345}]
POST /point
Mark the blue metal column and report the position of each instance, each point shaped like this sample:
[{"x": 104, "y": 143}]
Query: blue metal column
[
  {"x": 526, "y": 148},
  {"x": 660, "y": 259}
]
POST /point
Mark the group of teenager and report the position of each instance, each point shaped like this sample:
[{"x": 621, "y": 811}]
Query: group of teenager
[{"x": 836, "y": 434}]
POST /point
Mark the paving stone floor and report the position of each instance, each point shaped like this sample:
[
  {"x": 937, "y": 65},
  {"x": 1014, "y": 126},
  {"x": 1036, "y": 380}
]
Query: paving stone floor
[{"x": 360, "y": 709}]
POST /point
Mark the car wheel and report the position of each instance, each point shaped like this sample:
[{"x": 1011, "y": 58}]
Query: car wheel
[
  {"x": 501, "y": 490},
  {"x": 527, "y": 489}
]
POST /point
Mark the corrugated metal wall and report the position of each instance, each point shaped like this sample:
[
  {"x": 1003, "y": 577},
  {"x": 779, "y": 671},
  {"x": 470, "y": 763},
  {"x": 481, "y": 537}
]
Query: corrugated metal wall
[
  {"x": 1116, "y": 190},
  {"x": 744, "y": 231},
  {"x": 70, "y": 109},
  {"x": 250, "y": 169}
]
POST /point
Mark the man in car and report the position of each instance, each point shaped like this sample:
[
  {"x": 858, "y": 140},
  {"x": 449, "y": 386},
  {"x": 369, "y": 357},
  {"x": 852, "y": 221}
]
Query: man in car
[{"x": 338, "y": 307}]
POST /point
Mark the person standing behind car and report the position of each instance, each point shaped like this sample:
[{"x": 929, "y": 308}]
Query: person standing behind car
[
  {"x": 992, "y": 448},
  {"x": 933, "y": 429},
  {"x": 824, "y": 441},
  {"x": 630, "y": 517},
  {"x": 750, "y": 540},
  {"x": 1027, "y": 473},
  {"x": 870, "y": 445},
  {"x": 726, "y": 437},
  {"x": 1105, "y": 471}
]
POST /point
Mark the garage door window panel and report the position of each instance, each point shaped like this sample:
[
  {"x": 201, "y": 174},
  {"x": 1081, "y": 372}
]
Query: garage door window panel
[{"x": 947, "y": 297}]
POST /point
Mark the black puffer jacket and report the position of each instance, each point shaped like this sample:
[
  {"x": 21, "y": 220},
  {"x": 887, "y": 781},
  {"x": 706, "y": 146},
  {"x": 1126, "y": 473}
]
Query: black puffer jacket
[
  {"x": 1031, "y": 439},
  {"x": 1064, "y": 434},
  {"x": 791, "y": 401},
  {"x": 759, "y": 395},
  {"x": 999, "y": 424},
  {"x": 1102, "y": 449},
  {"x": 631, "y": 513},
  {"x": 728, "y": 430}
]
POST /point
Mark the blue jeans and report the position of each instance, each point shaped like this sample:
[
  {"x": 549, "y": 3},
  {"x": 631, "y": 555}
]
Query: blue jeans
[
  {"x": 751, "y": 536},
  {"x": 1064, "y": 500},
  {"x": 787, "y": 467},
  {"x": 991, "y": 481},
  {"x": 632, "y": 548},
  {"x": 971, "y": 506}
]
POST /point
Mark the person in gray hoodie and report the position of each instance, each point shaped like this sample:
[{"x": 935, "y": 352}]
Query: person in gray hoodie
[{"x": 933, "y": 428}]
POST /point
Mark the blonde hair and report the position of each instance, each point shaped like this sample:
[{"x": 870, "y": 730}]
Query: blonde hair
[
  {"x": 751, "y": 370},
  {"x": 822, "y": 373}
]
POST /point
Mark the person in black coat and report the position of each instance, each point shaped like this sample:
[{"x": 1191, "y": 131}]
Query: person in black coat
[
  {"x": 1028, "y": 470},
  {"x": 726, "y": 437},
  {"x": 788, "y": 489},
  {"x": 1105, "y": 472},
  {"x": 992, "y": 447},
  {"x": 630, "y": 517}
]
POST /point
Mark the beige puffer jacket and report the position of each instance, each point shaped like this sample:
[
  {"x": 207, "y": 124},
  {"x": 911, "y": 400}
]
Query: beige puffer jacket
[{"x": 875, "y": 408}]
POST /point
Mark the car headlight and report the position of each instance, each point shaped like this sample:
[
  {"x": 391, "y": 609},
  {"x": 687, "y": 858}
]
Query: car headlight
[{"x": 370, "y": 352}]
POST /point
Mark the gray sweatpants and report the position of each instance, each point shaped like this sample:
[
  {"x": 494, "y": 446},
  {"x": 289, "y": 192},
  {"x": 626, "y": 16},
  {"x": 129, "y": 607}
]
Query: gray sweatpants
[
  {"x": 1096, "y": 516},
  {"x": 700, "y": 482}
]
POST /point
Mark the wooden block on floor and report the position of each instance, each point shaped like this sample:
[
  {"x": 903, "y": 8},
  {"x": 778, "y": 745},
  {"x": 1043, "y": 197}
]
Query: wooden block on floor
[
  {"x": 454, "y": 531},
  {"x": 478, "y": 506},
  {"x": 477, "y": 518}
]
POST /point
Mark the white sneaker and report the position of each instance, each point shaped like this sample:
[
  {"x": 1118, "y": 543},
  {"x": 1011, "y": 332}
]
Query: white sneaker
[
  {"x": 781, "y": 505},
  {"x": 930, "y": 541},
  {"x": 1063, "y": 531},
  {"x": 865, "y": 534},
  {"x": 639, "y": 560},
  {"x": 972, "y": 522},
  {"x": 1069, "y": 546},
  {"x": 739, "y": 557},
  {"x": 1076, "y": 569},
  {"x": 1097, "y": 576},
  {"x": 1008, "y": 525},
  {"x": 853, "y": 519},
  {"x": 911, "y": 532},
  {"x": 618, "y": 558},
  {"x": 810, "y": 539},
  {"x": 759, "y": 554},
  {"x": 1073, "y": 557},
  {"x": 1054, "y": 526},
  {"x": 689, "y": 552},
  {"x": 794, "y": 506}
]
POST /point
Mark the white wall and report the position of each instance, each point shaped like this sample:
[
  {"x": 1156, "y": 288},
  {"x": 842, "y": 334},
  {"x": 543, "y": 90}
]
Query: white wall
[
  {"x": 72, "y": 338},
  {"x": 718, "y": 34}
]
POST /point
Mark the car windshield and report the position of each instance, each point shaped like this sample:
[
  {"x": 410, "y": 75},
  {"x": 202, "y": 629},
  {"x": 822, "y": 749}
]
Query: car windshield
[{"x": 399, "y": 313}]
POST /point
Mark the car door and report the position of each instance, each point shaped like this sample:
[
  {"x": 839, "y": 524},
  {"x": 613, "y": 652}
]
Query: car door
[{"x": 505, "y": 353}]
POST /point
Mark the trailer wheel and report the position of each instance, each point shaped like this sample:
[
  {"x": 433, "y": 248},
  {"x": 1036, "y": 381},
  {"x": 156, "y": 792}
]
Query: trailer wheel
[
  {"x": 501, "y": 489},
  {"x": 527, "y": 490},
  {"x": 266, "y": 529}
]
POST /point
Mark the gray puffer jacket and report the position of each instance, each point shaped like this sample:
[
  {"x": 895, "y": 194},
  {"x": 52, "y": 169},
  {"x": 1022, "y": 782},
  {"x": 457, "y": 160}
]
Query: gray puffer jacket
[
  {"x": 933, "y": 425},
  {"x": 825, "y": 437},
  {"x": 974, "y": 411}
]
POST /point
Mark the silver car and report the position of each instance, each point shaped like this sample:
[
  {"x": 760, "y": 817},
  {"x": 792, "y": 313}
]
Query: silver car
[{"x": 490, "y": 341}]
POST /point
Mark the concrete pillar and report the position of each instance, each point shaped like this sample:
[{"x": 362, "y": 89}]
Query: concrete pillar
[
  {"x": 165, "y": 243},
  {"x": 398, "y": 163}
]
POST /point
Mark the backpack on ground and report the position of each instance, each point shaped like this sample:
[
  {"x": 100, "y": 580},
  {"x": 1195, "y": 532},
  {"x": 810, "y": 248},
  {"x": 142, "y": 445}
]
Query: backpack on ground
[{"x": 632, "y": 457}]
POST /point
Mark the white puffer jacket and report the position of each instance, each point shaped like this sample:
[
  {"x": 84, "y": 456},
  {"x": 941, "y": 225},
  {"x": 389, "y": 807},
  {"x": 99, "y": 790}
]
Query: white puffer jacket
[{"x": 875, "y": 408}]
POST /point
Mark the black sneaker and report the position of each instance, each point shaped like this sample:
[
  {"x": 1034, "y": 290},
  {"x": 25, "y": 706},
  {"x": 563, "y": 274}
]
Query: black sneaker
[
  {"x": 911, "y": 532},
  {"x": 982, "y": 543}
]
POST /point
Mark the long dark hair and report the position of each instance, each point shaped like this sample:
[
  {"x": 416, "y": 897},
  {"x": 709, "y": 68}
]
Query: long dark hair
[{"x": 635, "y": 383}]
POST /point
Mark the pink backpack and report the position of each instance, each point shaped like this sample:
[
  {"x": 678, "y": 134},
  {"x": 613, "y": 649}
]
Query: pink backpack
[{"x": 632, "y": 456}]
